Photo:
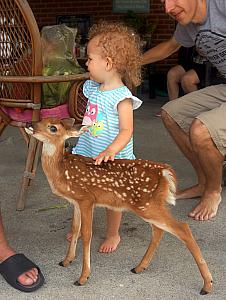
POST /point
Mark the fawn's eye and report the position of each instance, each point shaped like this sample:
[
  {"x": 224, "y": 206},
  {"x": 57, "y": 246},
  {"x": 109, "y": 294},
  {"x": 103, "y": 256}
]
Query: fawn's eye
[{"x": 53, "y": 128}]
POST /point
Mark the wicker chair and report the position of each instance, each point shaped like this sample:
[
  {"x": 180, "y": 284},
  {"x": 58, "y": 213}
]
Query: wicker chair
[
  {"x": 77, "y": 105},
  {"x": 21, "y": 80}
]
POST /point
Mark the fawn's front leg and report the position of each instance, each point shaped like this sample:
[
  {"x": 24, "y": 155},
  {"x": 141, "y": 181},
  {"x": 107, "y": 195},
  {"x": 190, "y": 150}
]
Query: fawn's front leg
[
  {"x": 86, "y": 235},
  {"x": 75, "y": 230}
]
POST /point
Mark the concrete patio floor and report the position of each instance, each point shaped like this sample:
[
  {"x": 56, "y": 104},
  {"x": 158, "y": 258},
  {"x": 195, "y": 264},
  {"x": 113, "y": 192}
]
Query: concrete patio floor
[{"x": 40, "y": 234}]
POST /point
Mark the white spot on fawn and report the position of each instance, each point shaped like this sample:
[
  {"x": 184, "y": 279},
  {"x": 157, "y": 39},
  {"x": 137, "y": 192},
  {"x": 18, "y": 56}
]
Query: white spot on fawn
[{"x": 67, "y": 175}]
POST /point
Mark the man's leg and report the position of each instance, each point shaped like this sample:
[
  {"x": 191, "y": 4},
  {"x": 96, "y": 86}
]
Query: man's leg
[
  {"x": 183, "y": 142},
  {"x": 190, "y": 81},
  {"x": 6, "y": 251},
  {"x": 211, "y": 161},
  {"x": 207, "y": 162},
  {"x": 174, "y": 77}
]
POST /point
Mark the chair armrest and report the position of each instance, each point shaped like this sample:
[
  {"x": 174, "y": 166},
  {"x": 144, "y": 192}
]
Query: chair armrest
[{"x": 44, "y": 79}]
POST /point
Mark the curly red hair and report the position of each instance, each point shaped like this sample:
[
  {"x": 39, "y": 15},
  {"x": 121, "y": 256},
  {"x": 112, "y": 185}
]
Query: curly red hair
[{"x": 122, "y": 45}]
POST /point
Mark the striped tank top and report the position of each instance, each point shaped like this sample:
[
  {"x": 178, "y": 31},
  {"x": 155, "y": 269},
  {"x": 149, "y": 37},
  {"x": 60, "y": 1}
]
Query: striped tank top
[{"x": 102, "y": 117}]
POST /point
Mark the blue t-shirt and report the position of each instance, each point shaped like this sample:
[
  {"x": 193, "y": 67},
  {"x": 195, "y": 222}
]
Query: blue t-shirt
[{"x": 102, "y": 117}]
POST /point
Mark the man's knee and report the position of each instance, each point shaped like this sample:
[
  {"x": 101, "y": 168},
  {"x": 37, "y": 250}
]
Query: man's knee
[
  {"x": 199, "y": 134},
  {"x": 189, "y": 81},
  {"x": 171, "y": 74},
  {"x": 166, "y": 118},
  {"x": 164, "y": 114},
  {"x": 175, "y": 74}
]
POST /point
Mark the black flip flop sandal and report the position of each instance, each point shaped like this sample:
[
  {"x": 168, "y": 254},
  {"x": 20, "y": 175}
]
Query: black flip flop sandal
[{"x": 16, "y": 265}]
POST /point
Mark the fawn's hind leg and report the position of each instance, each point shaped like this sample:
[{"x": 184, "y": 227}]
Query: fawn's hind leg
[
  {"x": 75, "y": 230},
  {"x": 183, "y": 232},
  {"x": 157, "y": 234}
]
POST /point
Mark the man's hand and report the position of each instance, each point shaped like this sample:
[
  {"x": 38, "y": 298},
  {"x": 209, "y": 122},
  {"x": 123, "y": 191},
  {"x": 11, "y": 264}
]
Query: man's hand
[{"x": 105, "y": 155}]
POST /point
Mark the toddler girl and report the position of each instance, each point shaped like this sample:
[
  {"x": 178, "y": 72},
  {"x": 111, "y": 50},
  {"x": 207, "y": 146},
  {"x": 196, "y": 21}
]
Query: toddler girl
[{"x": 114, "y": 65}]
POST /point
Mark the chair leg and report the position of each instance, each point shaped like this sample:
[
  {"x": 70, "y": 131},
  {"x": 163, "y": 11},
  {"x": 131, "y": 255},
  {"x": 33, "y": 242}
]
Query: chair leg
[
  {"x": 2, "y": 126},
  {"x": 24, "y": 135},
  {"x": 36, "y": 159},
  {"x": 30, "y": 170}
]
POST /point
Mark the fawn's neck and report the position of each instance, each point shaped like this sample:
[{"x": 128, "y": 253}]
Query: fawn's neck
[
  {"x": 52, "y": 158},
  {"x": 56, "y": 168}
]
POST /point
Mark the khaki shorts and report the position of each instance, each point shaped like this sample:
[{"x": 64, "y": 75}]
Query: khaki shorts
[{"x": 209, "y": 106}]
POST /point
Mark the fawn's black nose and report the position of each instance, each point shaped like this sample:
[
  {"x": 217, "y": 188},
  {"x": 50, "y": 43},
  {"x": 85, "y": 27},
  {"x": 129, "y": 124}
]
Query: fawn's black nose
[{"x": 30, "y": 124}]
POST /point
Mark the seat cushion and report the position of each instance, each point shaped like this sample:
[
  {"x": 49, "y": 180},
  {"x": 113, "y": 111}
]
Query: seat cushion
[{"x": 60, "y": 112}]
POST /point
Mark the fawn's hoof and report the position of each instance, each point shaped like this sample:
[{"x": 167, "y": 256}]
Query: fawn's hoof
[
  {"x": 203, "y": 292},
  {"x": 207, "y": 288},
  {"x": 61, "y": 263},
  {"x": 77, "y": 283},
  {"x": 137, "y": 272},
  {"x": 133, "y": 271}
]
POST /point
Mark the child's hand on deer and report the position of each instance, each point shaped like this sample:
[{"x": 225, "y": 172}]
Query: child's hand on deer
[{"x": 107, "y": 154}]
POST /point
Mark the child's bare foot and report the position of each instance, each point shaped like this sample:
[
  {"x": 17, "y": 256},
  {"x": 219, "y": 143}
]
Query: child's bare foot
[
  {"x": 110, "y": 244},
  {"x": 69, "y": 236},
  {"x": 206, "y": 208},
  {"x": 192, "y": 192}
]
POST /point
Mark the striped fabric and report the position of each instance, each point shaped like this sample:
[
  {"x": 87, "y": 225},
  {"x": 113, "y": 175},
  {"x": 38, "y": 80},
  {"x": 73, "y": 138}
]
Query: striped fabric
[{"x": 102, "y": 116}]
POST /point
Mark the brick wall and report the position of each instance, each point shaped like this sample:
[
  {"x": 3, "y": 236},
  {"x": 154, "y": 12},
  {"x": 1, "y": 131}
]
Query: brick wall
[{"x": 46, "y": 12}]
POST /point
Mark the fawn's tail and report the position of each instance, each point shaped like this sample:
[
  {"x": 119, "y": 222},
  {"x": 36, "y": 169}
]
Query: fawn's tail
[{"x": 170, "y": 176}]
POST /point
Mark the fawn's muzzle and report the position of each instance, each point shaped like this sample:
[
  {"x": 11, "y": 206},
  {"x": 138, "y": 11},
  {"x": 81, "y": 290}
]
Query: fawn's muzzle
[{"x": 30, "y": 126}]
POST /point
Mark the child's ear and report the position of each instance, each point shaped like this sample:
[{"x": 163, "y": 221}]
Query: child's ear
[{"x": 109, "y": 63}]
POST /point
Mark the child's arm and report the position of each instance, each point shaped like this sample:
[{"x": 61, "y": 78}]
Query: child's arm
[{"x": 125, "y": 111}]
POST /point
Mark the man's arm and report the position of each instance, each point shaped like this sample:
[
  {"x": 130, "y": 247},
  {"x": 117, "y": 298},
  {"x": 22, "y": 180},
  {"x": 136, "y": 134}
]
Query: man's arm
[{"x": 161, "y": 51}]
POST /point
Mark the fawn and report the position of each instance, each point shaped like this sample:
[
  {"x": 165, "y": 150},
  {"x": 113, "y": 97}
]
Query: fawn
[{"x": 142, "y": 186}]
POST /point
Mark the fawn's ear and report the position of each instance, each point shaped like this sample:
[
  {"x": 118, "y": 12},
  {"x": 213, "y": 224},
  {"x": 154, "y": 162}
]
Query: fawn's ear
[
  {"x": 77, "y": 130},
  {"x": 68, "y": 122}
]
